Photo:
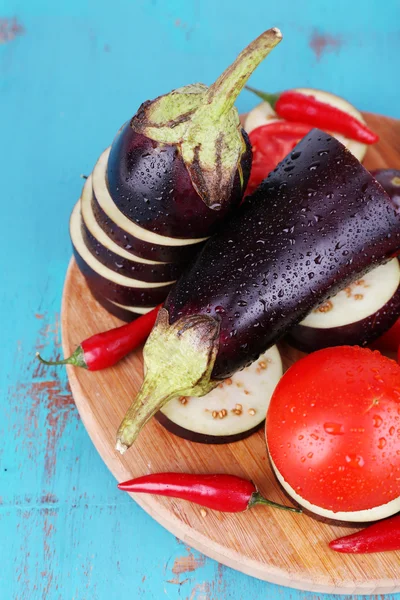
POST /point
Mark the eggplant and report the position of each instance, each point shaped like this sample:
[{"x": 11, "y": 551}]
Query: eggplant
[
  {"x": 115, "y": 258},
  {"x": 182, "y": 163},
  {"x": 121, "y": 311},
  {"x": 130, "y": 236},
  {"x": 390, "y": 181},
  {"x": 356, "y": 316},
  {"x": 316, "y": 224},
  {"x": 109, "y": 284},
  {"x": 232, "y": 411}
]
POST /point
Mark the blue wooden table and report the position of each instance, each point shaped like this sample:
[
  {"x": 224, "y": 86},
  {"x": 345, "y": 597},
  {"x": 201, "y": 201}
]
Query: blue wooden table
[{"x": 70, "y": 74}]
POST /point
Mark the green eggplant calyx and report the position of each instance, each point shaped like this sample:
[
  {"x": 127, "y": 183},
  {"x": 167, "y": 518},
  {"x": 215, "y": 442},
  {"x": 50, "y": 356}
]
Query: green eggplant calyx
[
  {"x": 179, "y": 359},
  {"x": 272, "y": 99},
  {"x": 204, "y": 124}
]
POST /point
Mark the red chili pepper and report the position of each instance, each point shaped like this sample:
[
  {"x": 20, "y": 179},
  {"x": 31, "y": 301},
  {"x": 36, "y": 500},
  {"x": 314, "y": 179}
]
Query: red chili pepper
[
  {"x": 304, "y": 108},
  {"x": 226, "y": 493},
  {"x": 107, "y": 348},
  {"x": 379, "y": 537}
]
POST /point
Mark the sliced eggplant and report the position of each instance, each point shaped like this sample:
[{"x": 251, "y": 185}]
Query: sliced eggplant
[
  {"x": 113, "y": 256},
  {"x": 128, "y": 234},
  {"x": 232, "y": 411},
  {"x": 263, "y": 113},
  {"x": 113, "y": 286},
  {"x": 125, "y": 313},
  {"x": 357, "y": 315}
]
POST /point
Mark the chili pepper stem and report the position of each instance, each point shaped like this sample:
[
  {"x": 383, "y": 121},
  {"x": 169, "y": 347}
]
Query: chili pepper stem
[
  {"x": 191, "y": 341},
  {"x": 272, "y": 99},
  {"x": 77, "y": 359},
  {"x": 257, "y": 498}
]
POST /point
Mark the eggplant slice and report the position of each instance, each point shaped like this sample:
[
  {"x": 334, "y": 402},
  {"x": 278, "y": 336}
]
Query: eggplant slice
[
  {"x": 128, "y": 234},
  {"x": 114, "y": 286},
  {"x": 357, "y": 315},
  {"x": 232, "y": 411}
]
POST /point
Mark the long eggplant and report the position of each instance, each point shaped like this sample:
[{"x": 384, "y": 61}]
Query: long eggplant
[
  {"x": 182, "y": 163},
  {"x": 317, "y": 223}
]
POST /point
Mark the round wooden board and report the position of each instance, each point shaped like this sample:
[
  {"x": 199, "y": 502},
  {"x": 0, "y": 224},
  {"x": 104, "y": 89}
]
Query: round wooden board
[{"x": 277, "y": 546}]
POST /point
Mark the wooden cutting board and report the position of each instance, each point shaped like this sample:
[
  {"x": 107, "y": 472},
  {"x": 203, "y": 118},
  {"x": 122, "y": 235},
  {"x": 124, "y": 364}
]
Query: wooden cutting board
[{"x": 277, "y": 546}]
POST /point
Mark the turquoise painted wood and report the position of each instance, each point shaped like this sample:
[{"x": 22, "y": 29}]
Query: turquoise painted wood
[{"x": 70, "y": 74}]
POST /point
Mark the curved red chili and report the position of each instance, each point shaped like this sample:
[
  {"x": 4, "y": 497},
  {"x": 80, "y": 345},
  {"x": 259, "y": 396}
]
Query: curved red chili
[
  {"x": 226, "y": 493},
  {"x": 304, "y": 108},
  {"x": 379, "y": 537},
  {"x": 107, "y": 348}
]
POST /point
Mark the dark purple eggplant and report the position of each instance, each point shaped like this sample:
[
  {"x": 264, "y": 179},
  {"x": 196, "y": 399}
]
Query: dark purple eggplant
[
  {"x": 182, "y": 163},
  {"x": 317, "y": 223},
  {"x": 123, "y": 312},
  {"x": 130, "y": 236},
  {"x": 115, "y": 258},
  {"x": 390, "y": 181},
  {"x": 111, "y": 285}
]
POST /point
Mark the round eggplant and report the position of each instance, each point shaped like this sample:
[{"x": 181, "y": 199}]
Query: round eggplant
[
  {"x": 113, "y": 256},
  {"x": 130, "y": 236},
  {"x": 357, "y": 315},
  {"x": 151, "y": 185},
  {"x": 318, "y": 222},
  {"x": 230, "y": 412},
  {"x": 182, "y": 163},
  {"x": 125, "y": 313},
  {"x": 390, "y": 181},
  {"x": 113, "y": 286}
]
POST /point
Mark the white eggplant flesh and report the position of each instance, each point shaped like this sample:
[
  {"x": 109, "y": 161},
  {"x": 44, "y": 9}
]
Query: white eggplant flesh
[{"x": 232, "y": 411}]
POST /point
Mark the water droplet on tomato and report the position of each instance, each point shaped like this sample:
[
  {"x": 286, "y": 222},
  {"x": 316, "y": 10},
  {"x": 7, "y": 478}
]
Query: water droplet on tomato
[
  {"x": 354, "y": 460},
  {"x": 377, "y": 420},
  {"x": 334, "y": 428},
  {"x": 382, "y": 443}
]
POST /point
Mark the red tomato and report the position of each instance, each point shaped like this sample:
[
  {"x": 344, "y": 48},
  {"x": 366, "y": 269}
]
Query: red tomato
[
  {"x": 270, "y": 144},
  {"x": 389, "y": 341},
  {"x": 333, "y": 428}
]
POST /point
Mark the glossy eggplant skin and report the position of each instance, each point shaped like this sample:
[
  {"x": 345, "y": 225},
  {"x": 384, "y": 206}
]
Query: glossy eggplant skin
[
  {"x": 134, "y": 296},
  {"x": 158, "y": 252},
  {"x": 317, "y": 223},
  {"x": 150, "y": 184},
  {"x": 143, "y": 271},
  {"x": 114, "y": 309},
  {"x": 359, "y": 333},
  {"x": 390, "y": 181}
]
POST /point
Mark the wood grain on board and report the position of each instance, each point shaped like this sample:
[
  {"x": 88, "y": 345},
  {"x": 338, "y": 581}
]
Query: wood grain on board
[{"x": 277, "y": 546}]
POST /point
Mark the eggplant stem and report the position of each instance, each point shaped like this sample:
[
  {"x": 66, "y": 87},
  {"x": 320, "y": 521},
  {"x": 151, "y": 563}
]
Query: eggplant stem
[
  {"x": 179, "y": 359},
  {"x": 223, "y": 92},
  {"x": 257, "y": 498}
]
